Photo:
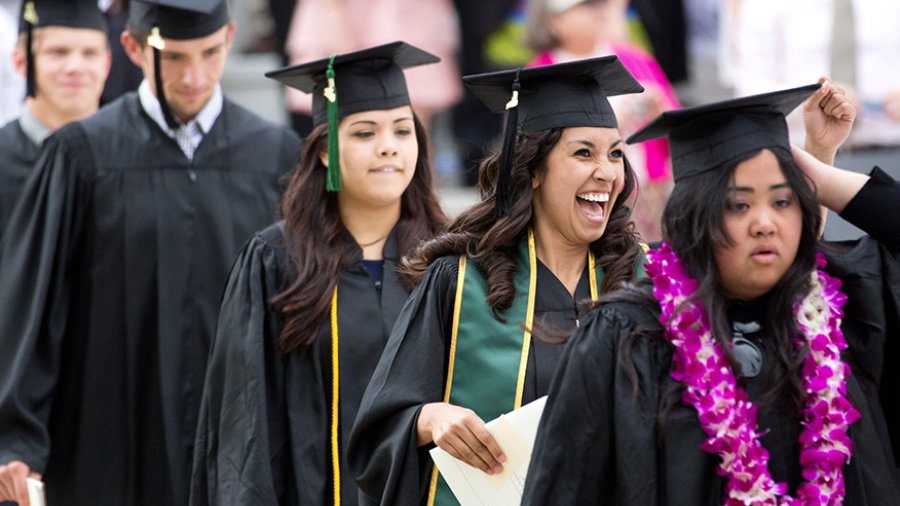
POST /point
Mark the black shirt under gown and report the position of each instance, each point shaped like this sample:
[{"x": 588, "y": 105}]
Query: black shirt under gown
[
  {"x": 112, "y": 272},
  {"x": 384, "y": 457},
  {"x": 17, "y": 156},
  {"x": 264, "y": 432},
  {"x": 599, "y": 441}
]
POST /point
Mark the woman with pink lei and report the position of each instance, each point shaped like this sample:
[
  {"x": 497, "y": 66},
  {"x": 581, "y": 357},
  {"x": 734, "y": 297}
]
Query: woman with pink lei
[{"x": 754, "y": 366}]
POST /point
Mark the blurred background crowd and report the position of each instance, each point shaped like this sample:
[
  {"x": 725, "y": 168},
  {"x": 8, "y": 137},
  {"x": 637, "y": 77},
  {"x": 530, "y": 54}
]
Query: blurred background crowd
[{"x": 684, "y": 52}]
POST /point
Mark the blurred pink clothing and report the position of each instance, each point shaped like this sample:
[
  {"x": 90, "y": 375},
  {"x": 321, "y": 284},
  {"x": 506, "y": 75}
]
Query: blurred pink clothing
[
  {"x": 320, "y": 28},
  {"x": 647, "y": 71}
]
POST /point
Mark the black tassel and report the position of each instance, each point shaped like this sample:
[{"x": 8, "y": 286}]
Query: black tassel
[
  {"x": 30, "y": 85},
  {"x": 510, "y": 129},
  {"x": 155, "y": 40},
  {"x": 160, "y": 94},
  {"x": 29, "y": 14}
]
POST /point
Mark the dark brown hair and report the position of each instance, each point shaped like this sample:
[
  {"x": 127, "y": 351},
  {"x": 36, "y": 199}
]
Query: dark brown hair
[
  {"x": 492, "y": 242},
  {"x": 317, "y": 244},
  {"x": 693, "y": 223}
]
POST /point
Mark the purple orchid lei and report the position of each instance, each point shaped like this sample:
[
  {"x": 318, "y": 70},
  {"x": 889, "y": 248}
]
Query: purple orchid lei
[{"x": 726, "y": 413}]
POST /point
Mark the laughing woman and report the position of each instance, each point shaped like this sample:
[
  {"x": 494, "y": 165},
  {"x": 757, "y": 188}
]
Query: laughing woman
[
  {"x": 553, "y": 229},
  {"x": 772, "y": 378},
  {"x": 311, "y": 300}
]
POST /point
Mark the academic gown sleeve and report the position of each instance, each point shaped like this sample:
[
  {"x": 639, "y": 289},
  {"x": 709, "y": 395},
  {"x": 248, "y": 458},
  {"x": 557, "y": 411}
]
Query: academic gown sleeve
[
  {"x": 35, "y": 290},
  {"x": 870, "y": 272},
  {"x": 242, "y": 451},
  {"x": 588, "y": 438},
  {"x": 383, "y": 455}
]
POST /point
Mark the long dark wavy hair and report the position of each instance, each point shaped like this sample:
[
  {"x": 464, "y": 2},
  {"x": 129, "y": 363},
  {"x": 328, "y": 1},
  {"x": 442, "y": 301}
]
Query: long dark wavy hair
[
  {"x": 317, "y": 244},
  {"x": 492, "y": 243},
  {"x": 693, "y": 224}
]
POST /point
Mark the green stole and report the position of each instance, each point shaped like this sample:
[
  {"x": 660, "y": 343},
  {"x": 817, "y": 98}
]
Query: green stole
[{"x": 488, "y": 357}]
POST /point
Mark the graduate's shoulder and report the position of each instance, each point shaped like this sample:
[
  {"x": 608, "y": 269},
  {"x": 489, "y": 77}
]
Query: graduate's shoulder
[
  {"x": 444, "y": 270},
  {"x": 447, "y": 264},
  {"x": 270, "y": 238},
  {"x": 9, "y": 131},
  {"x": 270, "y": 249},
  {"x": 116, "y": 124},
  {"x": 625, "y": 312},
  {"x": 15, "y": 147},
  {"x": 856, "y": 259},
  {"x": 117, "y": 118},
  {"x": 254, "y": 128}
]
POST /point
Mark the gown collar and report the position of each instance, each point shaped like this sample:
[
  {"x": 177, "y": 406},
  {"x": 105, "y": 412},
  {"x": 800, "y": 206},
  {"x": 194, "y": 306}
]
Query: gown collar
[{"x": 36, "y": 131}]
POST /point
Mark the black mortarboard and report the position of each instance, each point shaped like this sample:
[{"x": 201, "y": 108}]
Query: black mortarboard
[
  {"x": 365, "y": 80},
  {"x": 710, "y": 136},
  {"x": 42, "y": 13},
  {"x": 177, "y": 20},
  {"x": 563, "y": 95}
]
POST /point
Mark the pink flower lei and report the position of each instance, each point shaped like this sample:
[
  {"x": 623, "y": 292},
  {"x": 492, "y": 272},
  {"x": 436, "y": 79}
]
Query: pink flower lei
[{"x": 724, "y": 410}]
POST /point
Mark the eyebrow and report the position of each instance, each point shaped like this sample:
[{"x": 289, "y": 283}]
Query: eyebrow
[
  {"x": 591, "y": 144},
  {"x": 370, "y": 122},
  {"x": 748, "y": 189}
]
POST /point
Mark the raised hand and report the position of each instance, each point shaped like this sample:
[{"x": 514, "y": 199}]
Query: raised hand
[{"x": 828, "y": 117}]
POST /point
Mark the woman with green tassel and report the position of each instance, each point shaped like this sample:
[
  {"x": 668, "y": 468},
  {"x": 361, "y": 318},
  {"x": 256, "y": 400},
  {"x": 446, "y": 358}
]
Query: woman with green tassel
[{"x": 312, "y": 299}]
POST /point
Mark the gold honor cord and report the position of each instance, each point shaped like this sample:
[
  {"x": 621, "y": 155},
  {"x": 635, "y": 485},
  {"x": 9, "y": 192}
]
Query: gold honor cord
[
  {"x": 432, "y": 487},
  {"x": 529, "y": 318},
  {"x": 526, "y": 340},
  {"x": 335, "y": 404},
  {"x": 456, "y": 305}
]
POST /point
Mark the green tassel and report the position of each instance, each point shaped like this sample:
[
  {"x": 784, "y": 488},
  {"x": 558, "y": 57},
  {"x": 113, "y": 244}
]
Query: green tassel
[{"x": 333, "y": 177}]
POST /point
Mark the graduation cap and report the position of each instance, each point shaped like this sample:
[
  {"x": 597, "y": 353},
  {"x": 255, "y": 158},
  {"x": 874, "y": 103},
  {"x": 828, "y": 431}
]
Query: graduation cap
[
  {"x": 708, "y": 137},
  {"x": 343, "y": 84},
  {"x": 571, "y": 94},
  {"x": 177, "y": 20},
  {"x": 67, "y": 13}
]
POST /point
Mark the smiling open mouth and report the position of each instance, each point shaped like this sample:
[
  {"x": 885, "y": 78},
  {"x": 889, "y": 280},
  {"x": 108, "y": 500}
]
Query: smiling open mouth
[{"x": 593, "y": 205}]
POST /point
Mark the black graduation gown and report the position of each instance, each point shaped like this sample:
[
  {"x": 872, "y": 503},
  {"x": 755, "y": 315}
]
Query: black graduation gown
[
  {"x": 111, "y": 280},
  {"x": 264, "y": 432},
  {"x": 17, "y": 156},
  {"x": 384, "y": 457},
  {"x": 600, "y": 444}
]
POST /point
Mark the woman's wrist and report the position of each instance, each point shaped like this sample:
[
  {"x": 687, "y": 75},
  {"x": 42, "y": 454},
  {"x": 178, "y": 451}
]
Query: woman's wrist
[
  {"x": 423, "y": 425},
  {"x": 822, "y": 153}
]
